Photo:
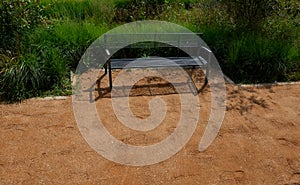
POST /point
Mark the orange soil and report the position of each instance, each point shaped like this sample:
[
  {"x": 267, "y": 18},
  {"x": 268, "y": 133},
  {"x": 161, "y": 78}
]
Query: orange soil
[{"x": 259, "y": 142}]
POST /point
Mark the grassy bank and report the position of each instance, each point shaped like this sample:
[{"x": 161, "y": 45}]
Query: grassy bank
[{"x": 37, "y": 57}]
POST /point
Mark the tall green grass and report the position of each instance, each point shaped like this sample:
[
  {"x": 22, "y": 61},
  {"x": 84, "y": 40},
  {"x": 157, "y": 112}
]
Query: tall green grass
[
  {"x": 73, "y": 38},
  {"x": 45, "y": 66},
  {"x": 97, "y": 11},
  {"x": 253, "y": 58},
  {"x": 22, "y": 79}
]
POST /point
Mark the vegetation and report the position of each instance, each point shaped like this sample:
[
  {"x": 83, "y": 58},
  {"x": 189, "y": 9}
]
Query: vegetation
[{"x": 43, "y": 40}]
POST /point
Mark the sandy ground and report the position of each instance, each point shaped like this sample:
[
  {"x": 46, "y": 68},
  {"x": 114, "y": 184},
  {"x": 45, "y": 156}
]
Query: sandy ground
[{"x": 259, "y": 141}]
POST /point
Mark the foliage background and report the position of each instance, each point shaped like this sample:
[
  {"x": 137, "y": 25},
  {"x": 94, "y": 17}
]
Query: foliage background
[{"x": 43, "y": 40}]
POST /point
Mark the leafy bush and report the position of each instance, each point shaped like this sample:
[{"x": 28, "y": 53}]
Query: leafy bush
[
  {"x": 17, "y": 18},
  {"x": 248, "y": 14},
  {"x": 133, "y": 10},
  {"x": 210, "y": 13},
  {"x": 100, "y": 11},
  {"x": 20, "y": 76},
  {"x": 293, "y": 57}
]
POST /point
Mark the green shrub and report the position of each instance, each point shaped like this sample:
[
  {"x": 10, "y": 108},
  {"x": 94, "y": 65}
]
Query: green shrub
[
  {"x": 100, "y": 11},
  {"x": 253, "y": 58},
  {"x": 248, "y": 14},
  {"x": 17, "y": 18},
  {"x": 33, "y": 74},
  {"x": 218, "y": 39},
  {"x": 133, "y": 10},
  {"x": 21, "y": 79},
  {"x": 48, "y": 57},
  {"x": 293, "y": 57}
]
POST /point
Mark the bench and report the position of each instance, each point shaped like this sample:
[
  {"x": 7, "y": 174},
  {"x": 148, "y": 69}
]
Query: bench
[{"x": 183, "y": 41}]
